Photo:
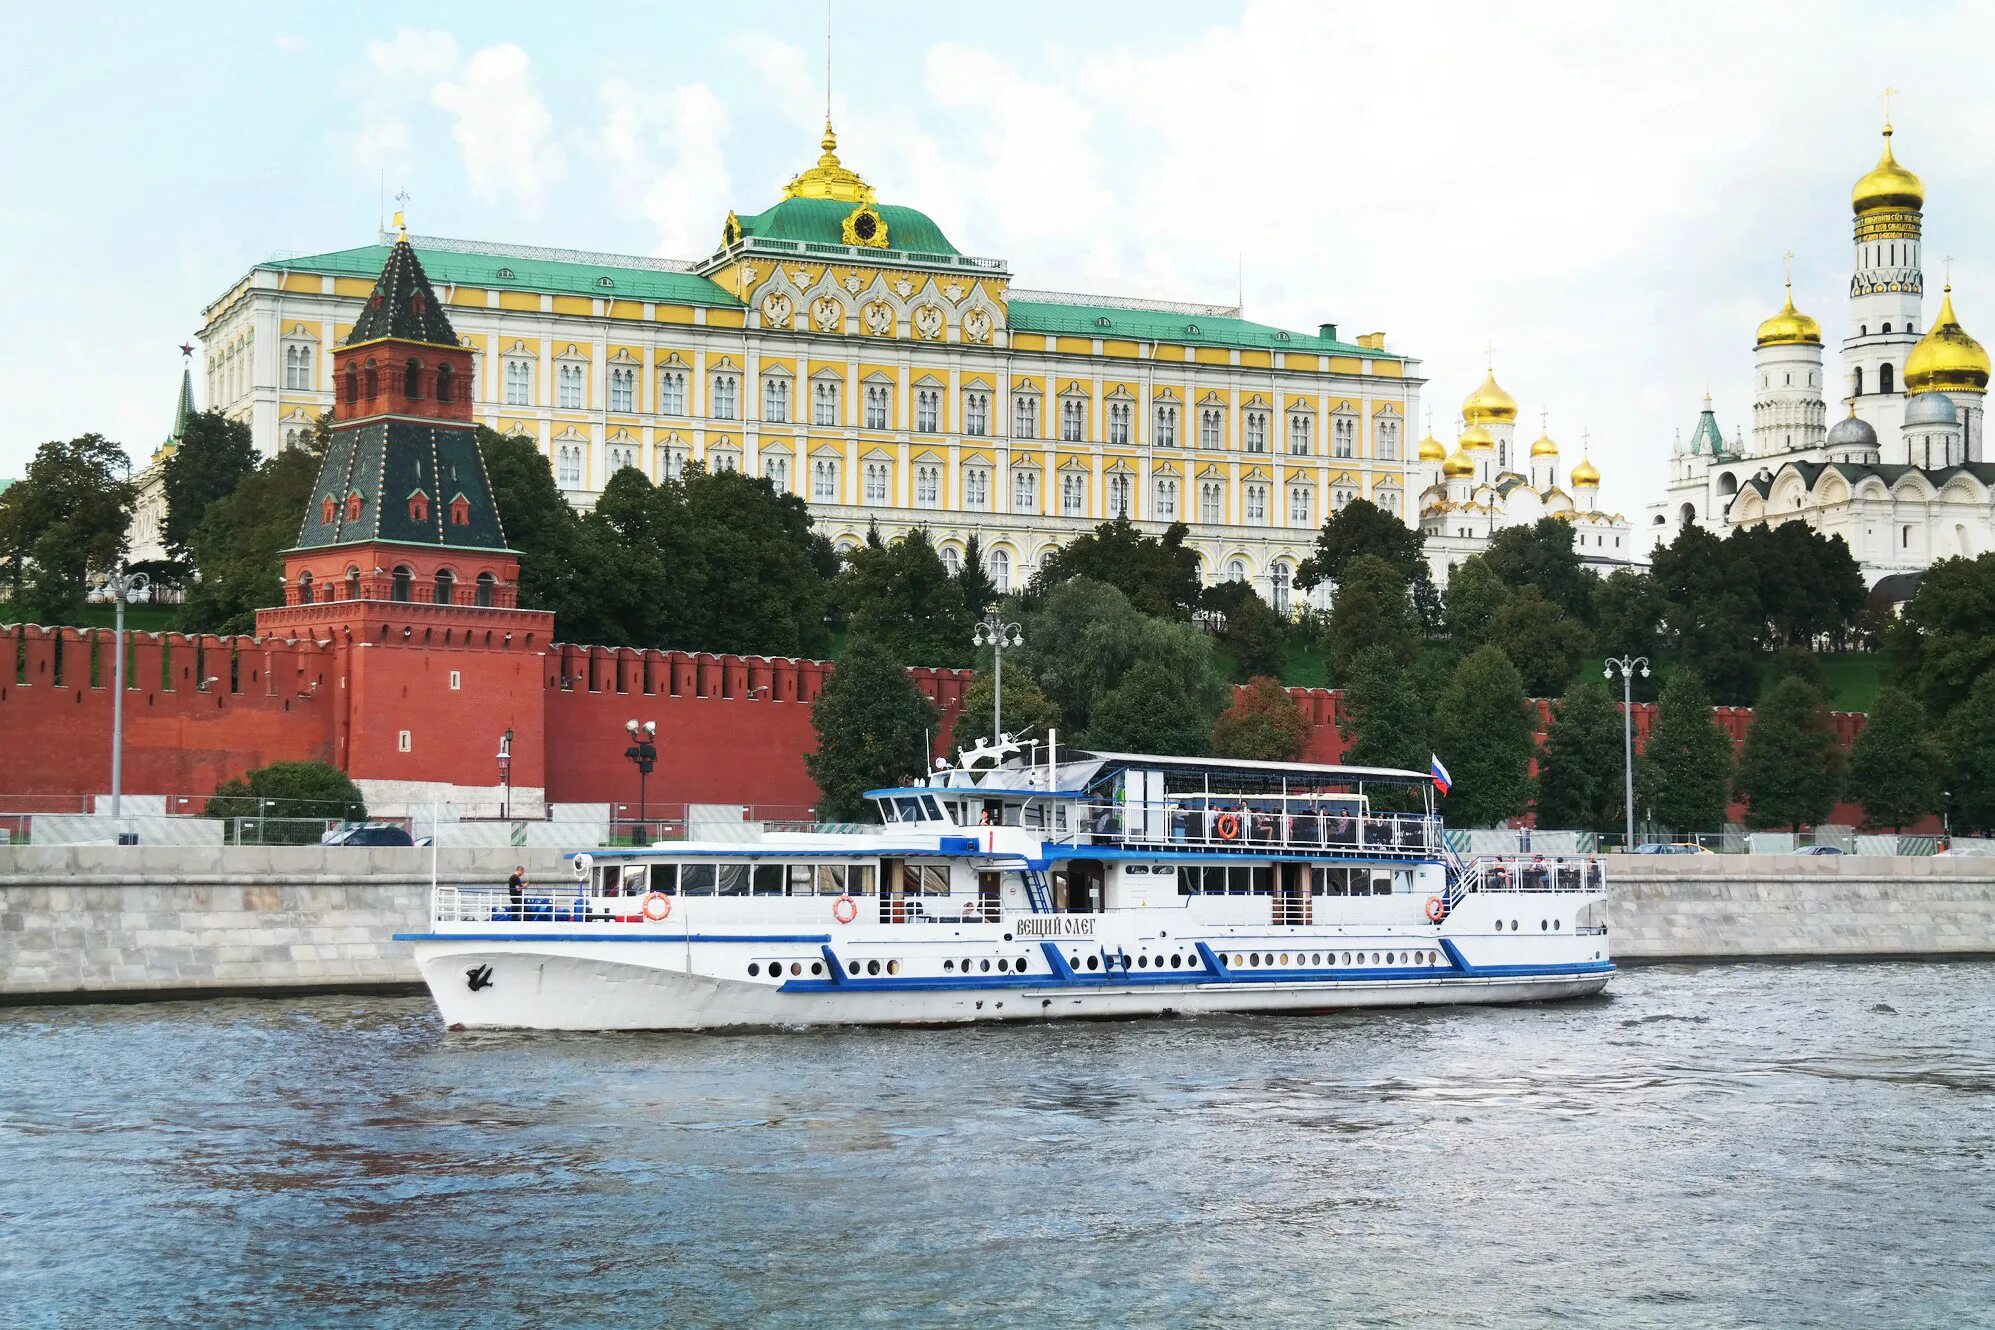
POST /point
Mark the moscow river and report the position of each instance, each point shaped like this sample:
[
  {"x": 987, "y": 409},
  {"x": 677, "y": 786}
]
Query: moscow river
[{"x": 1799, "y": 1145}]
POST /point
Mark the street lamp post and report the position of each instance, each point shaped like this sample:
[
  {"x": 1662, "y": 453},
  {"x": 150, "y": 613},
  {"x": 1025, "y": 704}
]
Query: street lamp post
[
  {"x": 996, "y": 634},
  {"x": 643, "y": 755},
  {"x": 120, "y": 584},
  {"x": 1627, "y": 666},
  {"x": 506, "y": 775}
]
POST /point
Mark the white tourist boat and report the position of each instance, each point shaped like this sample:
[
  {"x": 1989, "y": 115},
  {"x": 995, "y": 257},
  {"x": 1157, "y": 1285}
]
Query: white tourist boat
[{"x": 1086, "y": 884}]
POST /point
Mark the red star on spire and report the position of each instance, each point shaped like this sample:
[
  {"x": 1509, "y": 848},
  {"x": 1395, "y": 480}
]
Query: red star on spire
[{"x": 186, "y": 350}]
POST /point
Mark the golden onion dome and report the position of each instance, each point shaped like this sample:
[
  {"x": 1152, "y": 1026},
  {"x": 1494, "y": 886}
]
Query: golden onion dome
[
  {"x": 1544, "y": 447},
  {"x": 1431, "y": 449},
  {"x": 1887, "y": 186},
  {"x": 1586, "y": 475},
  {"x": 1476, "y": 439},
  {"x": 1458, "y": 464},
  {"x": 1946, "y": 358},
  {"x": 1790, "y": 327},
  {"x": 1489, "y": 403}
]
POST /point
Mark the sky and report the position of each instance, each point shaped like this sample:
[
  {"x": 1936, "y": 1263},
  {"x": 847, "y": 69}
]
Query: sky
[{"x": 1600, "y": 193}]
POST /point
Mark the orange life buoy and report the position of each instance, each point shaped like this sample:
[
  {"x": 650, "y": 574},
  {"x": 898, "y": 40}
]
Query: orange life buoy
[
  {"x": 1437, "y": 909},
  {"x": 845, "y": 910},
  {"x": 657, "y": 907},
  {"x": 1228, "y": 827}
]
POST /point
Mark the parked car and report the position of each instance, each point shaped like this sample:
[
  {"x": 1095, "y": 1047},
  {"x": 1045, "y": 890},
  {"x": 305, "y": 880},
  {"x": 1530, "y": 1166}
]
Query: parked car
[
  {"x": 369, "y": 833},
  {"x": 1669, "y": 847},
  {"x": 1820, "y": 849}
]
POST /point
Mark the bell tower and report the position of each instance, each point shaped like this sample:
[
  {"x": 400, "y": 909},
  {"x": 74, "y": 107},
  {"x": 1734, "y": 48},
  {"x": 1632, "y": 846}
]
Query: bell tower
[{"x": 401, "y": 564}]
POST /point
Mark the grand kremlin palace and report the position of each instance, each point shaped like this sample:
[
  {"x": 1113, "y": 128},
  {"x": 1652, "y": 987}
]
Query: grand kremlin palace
[{"x": 846, "y": 349}]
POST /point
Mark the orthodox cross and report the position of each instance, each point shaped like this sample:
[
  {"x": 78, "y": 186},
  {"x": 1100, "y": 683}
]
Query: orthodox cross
[
  {"x": 1787, "y": 261},
  {"x": 401, "y": 212},
  {"x": 1489, "y": 355},
  {"x": 1889, "y": 93}
]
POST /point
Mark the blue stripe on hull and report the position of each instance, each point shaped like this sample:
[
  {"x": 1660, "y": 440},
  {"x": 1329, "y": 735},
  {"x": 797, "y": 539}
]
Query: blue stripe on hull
[{"x": 1065, "y": 977}]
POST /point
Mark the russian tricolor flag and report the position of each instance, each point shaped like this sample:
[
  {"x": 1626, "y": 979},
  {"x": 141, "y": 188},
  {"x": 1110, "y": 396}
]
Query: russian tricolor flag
[{"x": 1440, "y": 774}]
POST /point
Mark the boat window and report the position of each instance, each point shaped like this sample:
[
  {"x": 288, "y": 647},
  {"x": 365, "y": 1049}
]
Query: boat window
[
  {"x": 635, "y": 881},
  {"x": 733, "y": 879},
  {"x": 696, "y": 879},
  {"x": 1263, "y": 880},
  {"x": 802, "y": 880},
  {"x": 1381, "y": 882},
  {"x": 1333, "y": 880},
  {"x": 888, "y": 813},
  {"x": 910, "y": 809},
  {"x": 1402, "y": 882},
  {"x": 859, "y": 879},
  {"x": 930, "y": 807},
  {"x": 925, "y": 879},
  {"x": 1189, "y": 880},
  {"x": 831, "y": 879},
  {"x": 768, "y": 879},
  {"x": 609, "y": 880}
]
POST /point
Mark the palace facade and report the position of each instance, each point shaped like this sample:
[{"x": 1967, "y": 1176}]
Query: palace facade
[{"x": 848, "y": 351}]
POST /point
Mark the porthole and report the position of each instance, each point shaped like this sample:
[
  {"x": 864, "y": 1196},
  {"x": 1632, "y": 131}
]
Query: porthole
[
  {"x": 1018, "y": 965},
  {"x": 1254, "y": 959},
  {"x": 1513, "y": 925},
  {"x": 1375, "y": 959},
  {"x": 1142, "y": 962},
  {"x": 1094, "y": 962},
  {"x": 1284, "y": 958},
  {"x": 817, "y": 967},
  {"x": 753, "y": 969},
  {"x": 948, "y": 967},
  {"x": 1347, "y": 958},
  {"x": 1555, "y": 925},
  {"x": 1238, "y": 961},
  {"x": 796, "y": 967},
  {"x": 1073, "y": 962},
  {"x": 893, "y": 967},
  {"x": 872, "y": 967},
  {"x": 1544, "y": 926},
  {"x": 1499, "y": 925},
  {"x": 853, "y": 967},
  {"x": 1176, "y": 960},
  {"x": 985, "y": 967}
]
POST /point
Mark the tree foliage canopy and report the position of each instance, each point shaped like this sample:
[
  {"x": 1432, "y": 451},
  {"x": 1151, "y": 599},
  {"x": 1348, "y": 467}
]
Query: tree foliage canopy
[
  {"x": 902, "y": 597},
  {"x": 1157, "y": 574},
  {"x": 873, "y": 726},
  {"x": 1944, "y": 644},
  {"x": 1483, "y": 730},
  {"x": 1362, "y": 528},
  {"x": 214, "y": 457},
  {"x": 1542, "y": 555},
  {"x": 1084, "y": 640},
  {"x": 1383, "y": 715},
  {"x": 1263, "y": 724},
  {"x": 1792, "y": 767},
  {"x": 1686, "y": 772},
  {"x": 239, "y": 544},
  {"x": 1970, "y": 741},
  {"x": 1582, "y": 767},
  {"x": 1473, "y": 597},
  {"x": 1027, "y": 711},
  {"x": 1897, "y": 767},
  {"x": 1541, "y": 640},
  {"x": 62, "y": 521},
  {"x": 1372, "y": 608}
]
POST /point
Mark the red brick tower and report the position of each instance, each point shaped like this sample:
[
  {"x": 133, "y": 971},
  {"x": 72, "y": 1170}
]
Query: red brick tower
[{"x": 401, "y": 564}]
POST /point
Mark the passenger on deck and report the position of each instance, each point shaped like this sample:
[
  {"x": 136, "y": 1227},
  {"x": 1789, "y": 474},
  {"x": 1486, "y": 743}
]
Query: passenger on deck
[
  {"x": 1535, "y": 875},
  {"x": 516, "y": 886},
  {"x": 1180, "y": 822},
  {"x": 1593, "y": 873}
]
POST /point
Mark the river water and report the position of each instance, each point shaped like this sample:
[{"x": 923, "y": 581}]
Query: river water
[{"x": 1802, "y": 1145}]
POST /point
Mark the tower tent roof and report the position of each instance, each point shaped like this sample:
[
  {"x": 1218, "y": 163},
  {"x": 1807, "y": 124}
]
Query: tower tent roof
[
  {"x": 1705, "y": 438},
  {"x": 403, "y": 305}
]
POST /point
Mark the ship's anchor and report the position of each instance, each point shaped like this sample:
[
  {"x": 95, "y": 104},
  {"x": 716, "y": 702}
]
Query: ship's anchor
[{"x": 478, "y": 977}]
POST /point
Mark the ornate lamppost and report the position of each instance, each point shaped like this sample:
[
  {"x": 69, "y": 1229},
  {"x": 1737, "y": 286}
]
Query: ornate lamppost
[
  {"x": 643, "y": 754},
  {"x": 998, "y": 635},
  {"x": 1627, "y": 667},
  {"x": 506, "y": 775}
]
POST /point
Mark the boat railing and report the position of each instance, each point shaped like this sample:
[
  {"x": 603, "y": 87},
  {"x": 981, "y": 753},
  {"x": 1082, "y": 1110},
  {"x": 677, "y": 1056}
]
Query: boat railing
[
  {"x": 1516, "y": 874},
  {"x": 1292, "y": 829}
]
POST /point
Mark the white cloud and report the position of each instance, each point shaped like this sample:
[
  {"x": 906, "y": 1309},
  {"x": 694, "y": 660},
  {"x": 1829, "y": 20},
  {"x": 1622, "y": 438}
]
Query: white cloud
[
  {"x": 663, "y": 153},
  {"x": 503, "y": 127},
  {"x": 412, "y": 56}
]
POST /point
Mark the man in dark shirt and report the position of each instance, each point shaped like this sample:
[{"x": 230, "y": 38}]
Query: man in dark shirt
[{"x": 516, "y": 886}]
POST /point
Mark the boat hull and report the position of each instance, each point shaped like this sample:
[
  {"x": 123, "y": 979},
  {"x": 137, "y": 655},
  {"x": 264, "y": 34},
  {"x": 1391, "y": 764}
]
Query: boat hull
[{"x": 480, "y": 984}]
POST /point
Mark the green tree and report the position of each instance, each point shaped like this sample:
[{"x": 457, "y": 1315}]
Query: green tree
[
  {"x": 1542, "y": 642},
  {"x": 1686, "y": 770},
  {"x": 872, "y": 726},
  {"x": 1253, "y": 634},
  {"x": 1897, "y": 768},
  {"x": 1944, "y": 644},
  {"x": 1542, "y": 555},
  {"x": 1474, "y": 596},
  {"x": 1971, "y": 760},
  {"x": 1628, "y": 613},
  {"x": 214, "y": 457},
  {"x": 1792, "y": 767},
  {"x": 561, "y": 568},
  {"x": 1582, "y": 767},
  {"x": 1151, "y": 710},
  {"x": 1084, "y": 638},
  {"x": 1158, "y": 574},
  {"x": 649, "y": 587},
  {"x": 1362, "y": 528},
  {"x": 63, "y": 520},
  {"x": 1371, "y": 608},
  {"x": 979, "y": 592},
  {"x": 761, "y": 582},
  {"x": 239, "y": 544},
  {"x": 1483, "y": 729},
  {"x": 304, "y": 790},
  {"x": 1263, "y": 724},
  {"x": 1810, "y": 588},
  {"x": 1026, "y": 709},
  {"x": 1383, "y": 713},
  {"x": 902, "y": 597},
  {"x": 1713, "y": 611}
]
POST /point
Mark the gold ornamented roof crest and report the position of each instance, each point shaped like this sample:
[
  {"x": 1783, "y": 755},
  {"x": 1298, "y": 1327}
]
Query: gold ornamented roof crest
[{"x": 829, "y": 179}]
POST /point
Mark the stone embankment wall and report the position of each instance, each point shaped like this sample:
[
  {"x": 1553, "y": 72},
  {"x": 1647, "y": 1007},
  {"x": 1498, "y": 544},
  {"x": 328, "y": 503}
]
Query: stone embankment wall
[
  {"x": 106, "y": 920},
  {"x": 138, "y": 920},
  {"x": 1732, "y": 907}
]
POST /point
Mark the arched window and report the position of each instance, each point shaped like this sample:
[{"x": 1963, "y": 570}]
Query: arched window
[
  {"x": 1884, "y": 378},
  {"x": 1236, "y": 571},
  {"x": 486, "y": 585},
  {"x": 1887, "y": 328},
  {"x": 304, "y": 588},
  {"x": 1728, "y": 485},
  {"x": 352, "y": 384},
  {"x": 405, "y": 583},
  {"x": 443, "y": 383},
  {"x": 412, "y": 380},
  {"x": 460, "y": 511},
  {"x": 419, "y": 507},
  {"x": 998, "y": 565},
  {"x": 373, "y": 382},
  {"x": 446, "y": 584},
  {"x": 353, "y": 584},
  {"x": 1856, "y": 381},
  {"x": 353, "y": 505},
  {"x": 1688, "y": 513}
]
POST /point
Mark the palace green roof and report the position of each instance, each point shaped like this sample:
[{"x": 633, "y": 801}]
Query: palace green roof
[
  {"x": 1148, "y": 325},
  {"x": 503, "y": 271},
  {"x": 822, "y": 222}
]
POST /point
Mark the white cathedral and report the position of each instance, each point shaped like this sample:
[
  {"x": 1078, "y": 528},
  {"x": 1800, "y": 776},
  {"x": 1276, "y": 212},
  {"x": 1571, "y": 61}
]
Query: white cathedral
[{"x": 1905, "y": 478}]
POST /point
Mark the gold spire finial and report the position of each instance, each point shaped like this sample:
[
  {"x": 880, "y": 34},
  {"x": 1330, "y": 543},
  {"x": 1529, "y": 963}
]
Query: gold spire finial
[
  {"x": 1889, "y": 93},
  {"x": 1787, "y": 265}
]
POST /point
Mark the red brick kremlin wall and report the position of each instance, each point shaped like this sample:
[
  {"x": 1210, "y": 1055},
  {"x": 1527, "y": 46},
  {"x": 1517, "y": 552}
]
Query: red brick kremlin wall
[{"x": 731, "y": 729}]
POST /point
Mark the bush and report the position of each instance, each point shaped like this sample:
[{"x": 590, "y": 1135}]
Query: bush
[{"x": 290, "y": 790}]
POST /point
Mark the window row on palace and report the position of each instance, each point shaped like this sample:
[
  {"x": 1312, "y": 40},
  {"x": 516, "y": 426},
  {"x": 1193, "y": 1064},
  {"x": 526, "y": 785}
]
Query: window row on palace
[
  {"x": 1259, "y": 428},
  {"x": 1169, "y": 498}
]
